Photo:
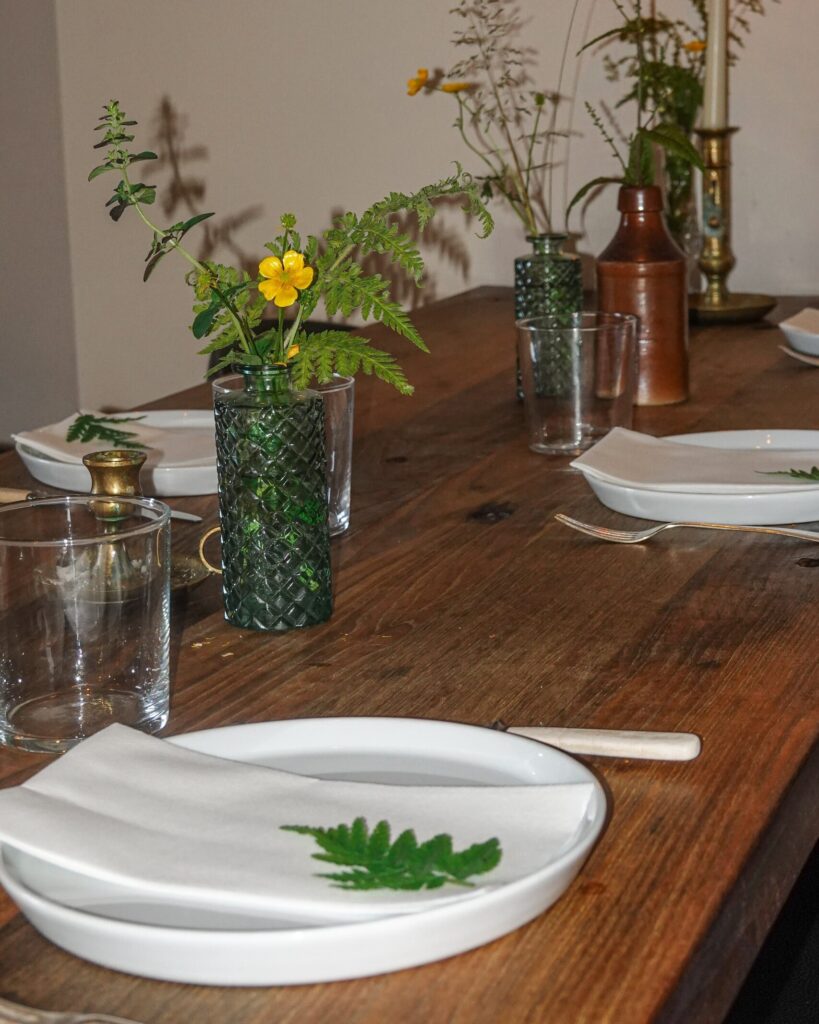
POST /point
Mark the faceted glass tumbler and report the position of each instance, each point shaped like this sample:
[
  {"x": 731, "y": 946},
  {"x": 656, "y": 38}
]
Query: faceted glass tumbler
[
  {"x": 271, "y": 466},
  {"x": 84, "y": 619},
  {"x": 578, "y": 380},
  {"x": 548, "y": 282}
]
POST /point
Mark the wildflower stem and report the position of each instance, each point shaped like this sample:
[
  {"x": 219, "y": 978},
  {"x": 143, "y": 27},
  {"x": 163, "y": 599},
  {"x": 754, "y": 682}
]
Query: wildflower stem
[
  {"x": 550, "y": 136},
  {"x": 245, "y": 339},
  {"x": 517, "y": 176}
]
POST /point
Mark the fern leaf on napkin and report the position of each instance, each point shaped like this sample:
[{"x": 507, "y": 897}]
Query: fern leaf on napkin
[{"x": 374, "y": 862}]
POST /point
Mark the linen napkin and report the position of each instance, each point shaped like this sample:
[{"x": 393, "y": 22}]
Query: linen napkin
[
  {"x": 806, "y": 322},
  {"x": 629, "y": 458},
  {"x": 172, "y": 823},
  {"x": 182, "y": 445}
]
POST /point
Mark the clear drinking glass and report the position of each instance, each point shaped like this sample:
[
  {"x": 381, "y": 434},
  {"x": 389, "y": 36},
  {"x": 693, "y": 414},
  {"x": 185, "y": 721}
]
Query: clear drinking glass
[
  {"x": 578, "y": 374},
  {"x": 339, "y": 403},
  {"x": 84, "y": 618}
]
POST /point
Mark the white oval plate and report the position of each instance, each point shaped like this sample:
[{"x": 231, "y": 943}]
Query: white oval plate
[
  {"x": 760, "y": 509},
  {"x": 172, "y": 945},
  {"x": 161, "y": 480}
]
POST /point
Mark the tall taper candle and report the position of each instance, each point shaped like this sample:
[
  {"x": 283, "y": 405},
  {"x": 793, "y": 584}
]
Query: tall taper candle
[{"x": 715, "y": 101}]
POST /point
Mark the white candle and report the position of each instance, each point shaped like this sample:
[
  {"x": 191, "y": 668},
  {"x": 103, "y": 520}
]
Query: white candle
[{"x": 715, "y": 101}]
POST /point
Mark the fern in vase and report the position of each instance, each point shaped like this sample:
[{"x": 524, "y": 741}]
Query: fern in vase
[
  {"x": 230, "y": 304},
  {"x": 269, "y": 436}
]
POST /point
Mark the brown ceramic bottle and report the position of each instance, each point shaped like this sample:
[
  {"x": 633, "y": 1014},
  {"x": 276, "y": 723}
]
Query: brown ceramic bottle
[{"x": 642, "y": 271}]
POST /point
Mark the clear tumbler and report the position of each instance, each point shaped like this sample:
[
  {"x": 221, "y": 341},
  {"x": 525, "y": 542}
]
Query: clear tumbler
[
  {"x": 578, "y": 374},
  {"x": 84, "y": 618}
]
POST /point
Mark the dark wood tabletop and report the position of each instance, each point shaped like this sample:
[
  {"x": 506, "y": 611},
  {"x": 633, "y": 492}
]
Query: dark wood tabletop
[{"x": 459, "y": 597}]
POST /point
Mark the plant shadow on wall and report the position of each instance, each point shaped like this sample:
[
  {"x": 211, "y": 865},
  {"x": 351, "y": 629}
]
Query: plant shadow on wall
[
  {"x": 185, "y": 193},
  {"x": 444, "y": 240}
]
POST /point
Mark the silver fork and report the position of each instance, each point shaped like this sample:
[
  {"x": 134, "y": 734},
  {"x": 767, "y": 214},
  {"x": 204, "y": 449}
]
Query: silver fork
[
  {"x": 638, "y": 536},
  {"x": 14, "y": 1013}
]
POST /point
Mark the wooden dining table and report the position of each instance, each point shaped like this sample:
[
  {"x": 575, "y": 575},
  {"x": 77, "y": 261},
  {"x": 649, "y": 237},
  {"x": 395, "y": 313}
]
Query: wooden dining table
[{"x": 458, "y": 597}]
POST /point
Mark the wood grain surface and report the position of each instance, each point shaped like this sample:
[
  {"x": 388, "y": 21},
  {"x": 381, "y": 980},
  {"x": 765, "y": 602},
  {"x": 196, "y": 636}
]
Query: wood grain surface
[{"x": 458, "y": 597}]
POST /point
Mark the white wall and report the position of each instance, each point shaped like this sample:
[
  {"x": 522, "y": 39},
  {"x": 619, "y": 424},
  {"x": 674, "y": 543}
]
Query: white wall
[
  {"x": 301, "y": 105},
  {"x": 38, "y": 377}
]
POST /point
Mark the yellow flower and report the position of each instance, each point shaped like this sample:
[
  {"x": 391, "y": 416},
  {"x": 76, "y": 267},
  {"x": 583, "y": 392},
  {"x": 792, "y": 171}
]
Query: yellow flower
[
  {"x": 457, "y": 86},
  {"x": 284, "y": 276},
  {"x": 293, "y": 351},
  {"x": 416, "y": 84},
  {"x": 695, "y": 46}
]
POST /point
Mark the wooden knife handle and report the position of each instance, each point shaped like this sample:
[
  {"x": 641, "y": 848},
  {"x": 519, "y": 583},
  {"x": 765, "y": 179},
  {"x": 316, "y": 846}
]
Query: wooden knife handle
[
  {"x": 8, "y": 494},
  {"x": 655, "y": 746}
]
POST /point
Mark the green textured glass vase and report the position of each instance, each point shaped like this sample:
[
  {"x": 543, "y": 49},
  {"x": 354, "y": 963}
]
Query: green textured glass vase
[
  {"x": 272, "y": 501},
  {"x": 548, "y": 282}
]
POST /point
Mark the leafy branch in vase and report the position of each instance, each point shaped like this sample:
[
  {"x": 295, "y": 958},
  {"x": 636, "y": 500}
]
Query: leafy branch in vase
[{"x": 230, "y": 304}]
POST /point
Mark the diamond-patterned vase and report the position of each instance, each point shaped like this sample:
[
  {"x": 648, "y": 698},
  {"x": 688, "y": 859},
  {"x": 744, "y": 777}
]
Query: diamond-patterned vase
[
  {"x": 548, "y": 282},
  {"x": 272, "y": 501}
]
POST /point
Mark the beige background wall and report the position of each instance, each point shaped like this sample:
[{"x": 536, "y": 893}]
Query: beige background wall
[
  {"x": 38, "y": 373},
  {"x": 300, "y": 105}
]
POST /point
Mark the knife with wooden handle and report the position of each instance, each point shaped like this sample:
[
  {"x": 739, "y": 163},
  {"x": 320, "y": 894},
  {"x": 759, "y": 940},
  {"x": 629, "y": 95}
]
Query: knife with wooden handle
[
  {"x": 9, "y": 494},
  {"x": 653, "y": 746}
]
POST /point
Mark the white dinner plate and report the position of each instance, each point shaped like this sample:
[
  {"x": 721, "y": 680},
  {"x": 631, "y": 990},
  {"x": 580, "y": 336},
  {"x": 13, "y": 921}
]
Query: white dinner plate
[
  {"x": 206, "y": 947},
  {"x": 759, "y": 509},
  {"x": 161, "y": 477}
]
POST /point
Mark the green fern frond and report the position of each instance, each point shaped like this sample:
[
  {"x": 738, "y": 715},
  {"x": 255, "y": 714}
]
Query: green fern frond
[
  {"x": 228, "y": 337},
  {"x": 421, "y": 203},
  {"x": 370, "y": 295},
  {"x": 373, "y": 234},
  {"x": 327, "y": 352}
]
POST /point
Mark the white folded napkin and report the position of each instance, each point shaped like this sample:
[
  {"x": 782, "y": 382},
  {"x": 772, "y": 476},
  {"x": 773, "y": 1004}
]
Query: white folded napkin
[
  {"x": 131, "y": 809},
  {"x": 632, "y": 459},
  {"x": 806, "y": 321},
  {"x": 179, "y": 445}
]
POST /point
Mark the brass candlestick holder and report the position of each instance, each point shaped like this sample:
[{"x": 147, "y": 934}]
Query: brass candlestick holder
[
  {"x": 716, "y": 304},
  {"x": 115, "y": 474}
]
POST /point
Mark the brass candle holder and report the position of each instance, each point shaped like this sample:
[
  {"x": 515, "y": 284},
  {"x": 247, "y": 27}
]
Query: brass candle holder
[
  {"x": 115, "y": 474},
  {"x": 716, "y": 304}
]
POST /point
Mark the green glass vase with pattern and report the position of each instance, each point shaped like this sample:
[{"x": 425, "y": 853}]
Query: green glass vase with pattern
[
  {"x": 548, "y": 282},
  {"x": 271, "y": 467}
]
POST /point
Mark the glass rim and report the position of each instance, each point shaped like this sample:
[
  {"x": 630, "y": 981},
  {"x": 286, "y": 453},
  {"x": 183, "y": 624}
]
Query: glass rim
[
  {"x": 67, "y": 501},
  {"x": 590, "y": 320},
  {"x": 338, "y": 383}
]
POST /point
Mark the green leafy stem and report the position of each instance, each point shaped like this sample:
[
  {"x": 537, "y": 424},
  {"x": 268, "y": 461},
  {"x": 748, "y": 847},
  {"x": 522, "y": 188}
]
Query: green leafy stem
[
  {"x": 655, "y": 126},
  {"x": 229, "y": 309},
  {"x": 373, "y": 861}
]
